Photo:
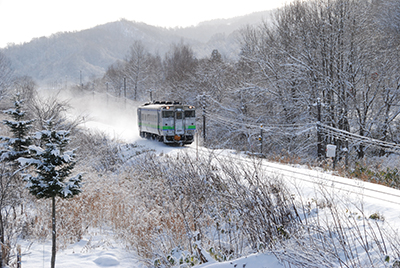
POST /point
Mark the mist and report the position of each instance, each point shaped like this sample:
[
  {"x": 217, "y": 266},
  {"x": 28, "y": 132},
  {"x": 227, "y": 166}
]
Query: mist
[
  {"x": 101, "y": 112},
  {"x": 104, "y": 113}
]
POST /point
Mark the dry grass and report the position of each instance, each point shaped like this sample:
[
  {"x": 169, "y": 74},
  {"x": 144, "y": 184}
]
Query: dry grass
[
  {"x": 161, "y": 203},
  {"x": 285, "y": 158}
]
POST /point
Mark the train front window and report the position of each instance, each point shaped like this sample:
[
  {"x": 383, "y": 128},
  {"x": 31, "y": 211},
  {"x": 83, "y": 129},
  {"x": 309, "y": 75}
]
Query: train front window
[
  {"x": 167, "y": 114},
  {"x": 189, "y": 114},
  {"x": 178, "y": 115}
]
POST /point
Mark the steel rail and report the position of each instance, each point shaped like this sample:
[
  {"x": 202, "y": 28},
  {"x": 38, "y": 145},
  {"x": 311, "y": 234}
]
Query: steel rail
[{"x": 318, "y": 178}]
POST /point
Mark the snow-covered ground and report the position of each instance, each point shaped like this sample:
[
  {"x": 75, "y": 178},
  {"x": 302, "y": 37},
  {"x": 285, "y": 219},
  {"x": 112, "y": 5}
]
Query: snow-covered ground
[
  {"x": 90, "y": 252},
  {"x": 103, "y": 251}
]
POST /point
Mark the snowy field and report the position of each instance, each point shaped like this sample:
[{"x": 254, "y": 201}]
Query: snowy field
[
  {"x": 90, "y": 252},
  {"x": 102, "y": 250}
]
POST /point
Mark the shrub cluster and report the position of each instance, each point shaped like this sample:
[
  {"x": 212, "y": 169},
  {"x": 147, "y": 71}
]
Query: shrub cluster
[{"x": 389, "y": 177}]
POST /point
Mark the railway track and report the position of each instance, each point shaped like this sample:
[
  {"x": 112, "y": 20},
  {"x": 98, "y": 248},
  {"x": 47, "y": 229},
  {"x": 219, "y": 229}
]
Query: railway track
[{"x": 354, "y": 187}]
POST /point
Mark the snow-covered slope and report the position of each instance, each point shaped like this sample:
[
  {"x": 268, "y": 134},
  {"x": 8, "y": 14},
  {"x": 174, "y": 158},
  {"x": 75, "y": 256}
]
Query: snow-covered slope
[{"x": 103, "y": 250}]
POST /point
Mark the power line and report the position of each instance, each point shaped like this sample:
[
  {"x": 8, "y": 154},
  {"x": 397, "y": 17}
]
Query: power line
[
  {"x": 219, "y": 118},
  {"x": 344, "y": 135},
  {"x": 302, "y": 128}
]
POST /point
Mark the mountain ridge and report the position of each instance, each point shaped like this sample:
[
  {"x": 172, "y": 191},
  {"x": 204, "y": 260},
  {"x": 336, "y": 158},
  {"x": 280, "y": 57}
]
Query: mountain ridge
[{"x": 64, "y": 55}]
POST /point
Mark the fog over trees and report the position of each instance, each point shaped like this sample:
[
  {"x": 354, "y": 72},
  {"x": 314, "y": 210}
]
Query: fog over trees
[
  {"x": 342, "y": 54},
  {"x": 320, "y": 71}
]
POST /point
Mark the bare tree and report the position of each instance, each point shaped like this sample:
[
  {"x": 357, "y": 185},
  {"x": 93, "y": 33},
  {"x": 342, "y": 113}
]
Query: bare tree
[
  {"x": 179, "y": 68},
  {"x": 5, "y": 74},
  {"x": 137, "y": 67},
  {"x": 115, "y": 78},
  {"x": 327, "y": 50},
  {"x": 25, "y": 86}
]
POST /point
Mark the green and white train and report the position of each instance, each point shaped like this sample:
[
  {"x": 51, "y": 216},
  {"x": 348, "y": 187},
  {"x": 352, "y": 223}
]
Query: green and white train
[{"x": 168, "y": 122}]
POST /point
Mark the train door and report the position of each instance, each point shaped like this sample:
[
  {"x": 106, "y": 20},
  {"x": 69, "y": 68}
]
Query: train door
[
  {"x": 159, "y": 123},
  {"x": 139, "y": 115},
  {"x": 179, "y": 124}
]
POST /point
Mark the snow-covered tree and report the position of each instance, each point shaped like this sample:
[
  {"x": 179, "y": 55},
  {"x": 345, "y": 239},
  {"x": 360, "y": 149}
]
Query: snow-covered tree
[
  {"x": 136, "y": 68},
  {"x": 26, "y": 87},
  {"x": 332, "y": 50},
  {"x": 11, "y": 149},
  {"x": 17, "y": 145},
  {"x": 5, "y": 74},
  {"x": 180, "y": 66},
  {"x": 114, "y": 76},
  {"x": 53, "y": 164}
]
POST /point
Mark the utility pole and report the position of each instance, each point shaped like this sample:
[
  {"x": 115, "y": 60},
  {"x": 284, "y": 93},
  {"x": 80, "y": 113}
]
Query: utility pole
[
  {"x": 107, "y": 92},
  {"x": 260, "y": 138},
  {"x": 204, "y": 116},
  {"x": 319, "y": 135},
  {"x": 125, "y": 90},
  {"x": 80, "y": 78},
  {"x": 197, "y": 145}
]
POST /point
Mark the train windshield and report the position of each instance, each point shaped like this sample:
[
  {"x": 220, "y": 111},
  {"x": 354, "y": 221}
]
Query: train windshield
[
  {"x": 167, "y": 114},
  {"x": 189, "y": 114},
  {"x": 178, "y": 115}
]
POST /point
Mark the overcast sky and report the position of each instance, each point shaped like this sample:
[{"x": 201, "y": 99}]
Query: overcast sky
[{"x": 22, "y": 20}]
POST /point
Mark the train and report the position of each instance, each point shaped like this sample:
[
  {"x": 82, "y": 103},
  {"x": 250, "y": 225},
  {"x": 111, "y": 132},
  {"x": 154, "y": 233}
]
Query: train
[{"x": 169, "y": 122}]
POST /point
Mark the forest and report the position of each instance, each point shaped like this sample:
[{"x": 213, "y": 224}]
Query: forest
[
  {"x": 341, "y": 55},
  {"x": 331, "y": 63}
]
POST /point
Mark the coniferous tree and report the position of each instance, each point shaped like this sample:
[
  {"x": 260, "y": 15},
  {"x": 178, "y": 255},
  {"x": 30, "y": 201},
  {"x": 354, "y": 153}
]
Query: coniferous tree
[
  {"x": 17, "y": 145},
  {"x": 53, "y": 164},
  {"x": 11, "y": 149}
]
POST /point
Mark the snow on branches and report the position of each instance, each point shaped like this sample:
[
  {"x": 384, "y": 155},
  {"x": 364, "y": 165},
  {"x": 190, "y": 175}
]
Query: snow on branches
[
  {"x": 16, "y": 146},
  {"x": 53, "y": 164}
]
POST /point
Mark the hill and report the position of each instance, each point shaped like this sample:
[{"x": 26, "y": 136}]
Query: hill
[{"x": 62, "y": 56}]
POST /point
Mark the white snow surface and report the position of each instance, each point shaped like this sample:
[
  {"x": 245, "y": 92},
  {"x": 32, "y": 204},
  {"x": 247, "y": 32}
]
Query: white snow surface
[
  {"x": 251, "y": 261},
  {"x": 90, "y": 252},
  {"x": 103, "y": 251},
  {"x": 95, "y": 252}
]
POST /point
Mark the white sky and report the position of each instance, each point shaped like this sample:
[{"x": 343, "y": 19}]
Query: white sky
[{"x": 22, "y": 20}]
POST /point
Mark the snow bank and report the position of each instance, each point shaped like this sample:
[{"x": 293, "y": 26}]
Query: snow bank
[{"x": 251, "y": 261}]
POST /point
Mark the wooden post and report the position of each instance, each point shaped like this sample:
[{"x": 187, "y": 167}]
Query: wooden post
[{"x": 19, "y": 256}]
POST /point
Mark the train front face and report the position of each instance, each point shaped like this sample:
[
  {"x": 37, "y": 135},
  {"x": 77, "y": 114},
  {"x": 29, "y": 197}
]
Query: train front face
[{"x": 178, "y": 123}]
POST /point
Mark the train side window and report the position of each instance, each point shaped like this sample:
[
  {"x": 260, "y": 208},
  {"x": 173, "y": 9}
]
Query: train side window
[
  {"x": 190, "y": 114},
  {"x": 167, "y": 114}
]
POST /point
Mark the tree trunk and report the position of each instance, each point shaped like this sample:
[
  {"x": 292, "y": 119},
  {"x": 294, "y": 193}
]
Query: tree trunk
[
  {"x": 53, "y": 249},
  {"x": 2, "y": 241},
  {"x": 360, "y": 151}
]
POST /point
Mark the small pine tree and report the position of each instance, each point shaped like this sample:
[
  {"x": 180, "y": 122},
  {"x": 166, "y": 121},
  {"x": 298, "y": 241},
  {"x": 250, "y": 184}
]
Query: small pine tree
[
  {"x": 53, "y": 164},
  {"x": 12, "y": 148},
  {"x": 16, "y": 146}
]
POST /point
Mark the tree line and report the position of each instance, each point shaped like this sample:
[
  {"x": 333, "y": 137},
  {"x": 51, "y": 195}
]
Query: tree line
[{"x": 344, "y": 54}]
